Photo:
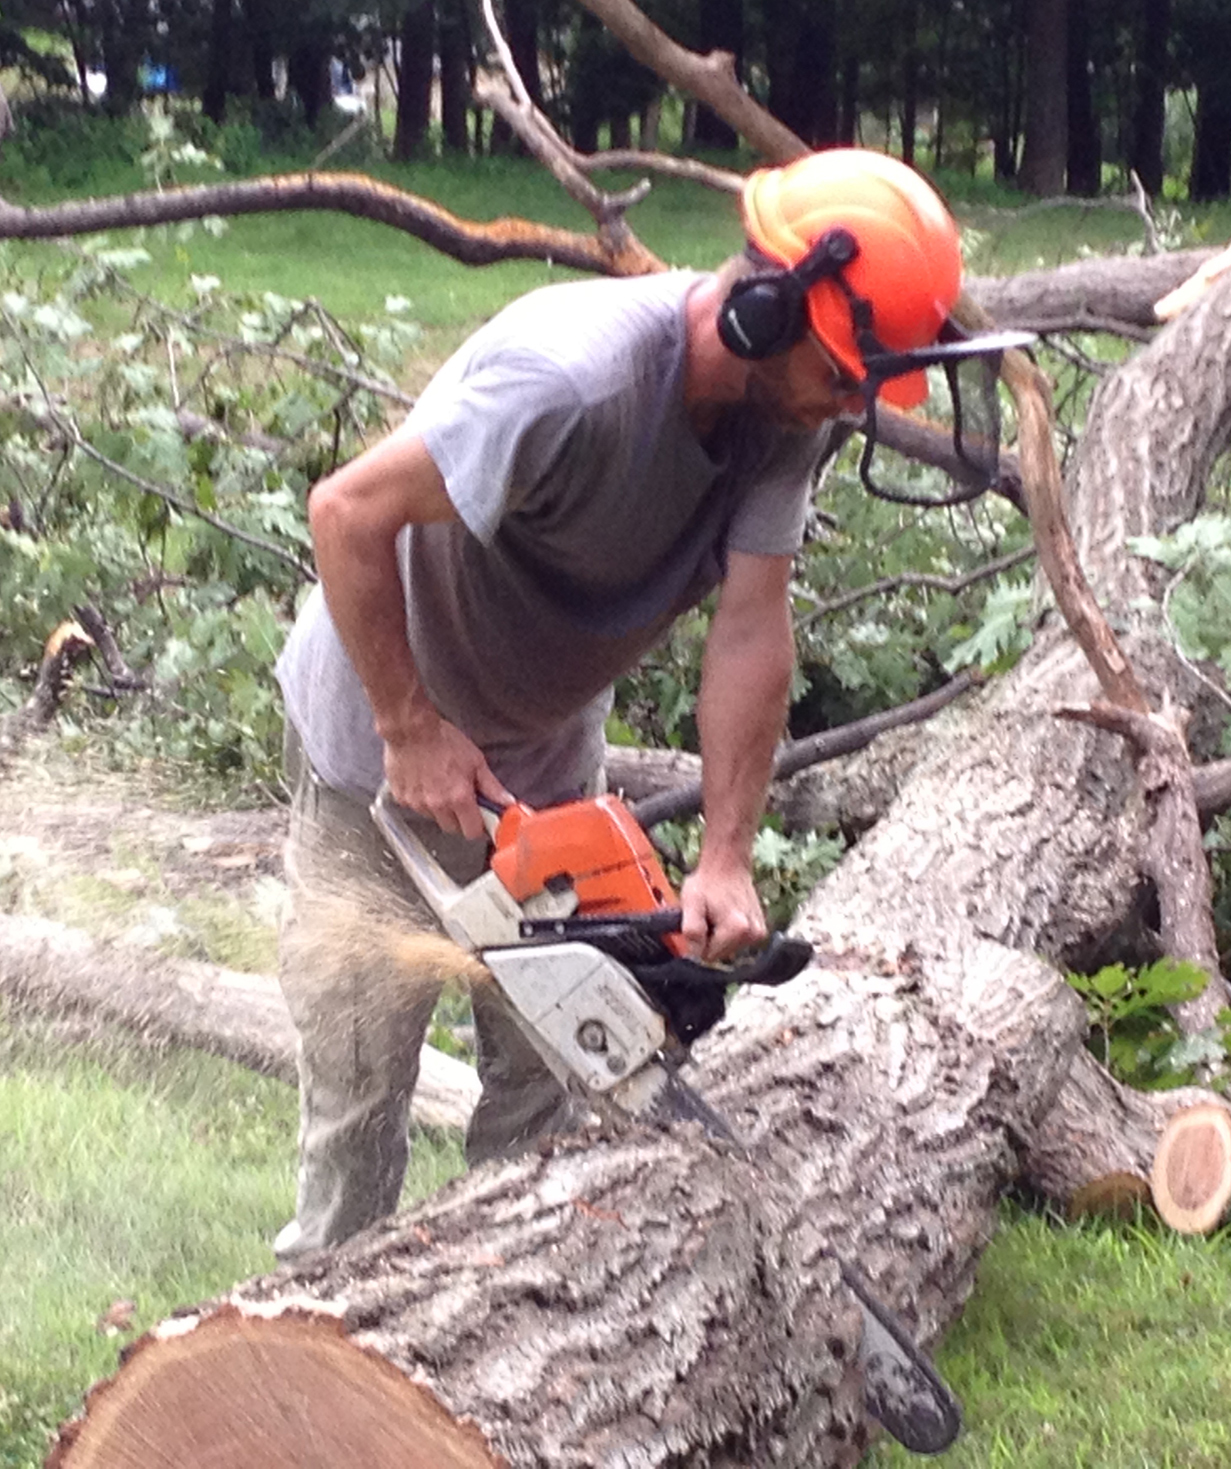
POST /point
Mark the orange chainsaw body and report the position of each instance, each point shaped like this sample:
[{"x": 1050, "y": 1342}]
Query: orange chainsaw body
[{"x": 596, "y": 845}]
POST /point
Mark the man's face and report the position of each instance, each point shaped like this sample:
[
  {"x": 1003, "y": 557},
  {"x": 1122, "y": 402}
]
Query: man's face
[{"x": 801, "y": 389}]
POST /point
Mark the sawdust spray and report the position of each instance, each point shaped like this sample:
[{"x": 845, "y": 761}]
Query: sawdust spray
[{"x": 361, "y": 950}]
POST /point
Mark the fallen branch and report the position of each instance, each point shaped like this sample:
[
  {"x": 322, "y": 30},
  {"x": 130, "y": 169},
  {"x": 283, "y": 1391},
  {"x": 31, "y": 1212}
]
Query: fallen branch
[
  {"x": 347, "y": 193},
  {"x": 710, "y": 79},
  {"x": 243, "y": 1017},
  {"x": 685, "y": 800},
  {"x": 65, "y": 648},
  {"x": 1173, "y": 856},
  {"x": 953, "y": 585}
]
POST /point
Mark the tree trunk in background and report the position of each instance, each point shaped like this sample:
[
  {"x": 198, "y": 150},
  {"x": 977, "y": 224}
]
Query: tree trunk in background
[
  {"x": 521, "y": 30},
  {"x": 1085, "y": 151},
  {"x": 454, "y": 45},
  {"x": 522, "y": 33},
  {"x": 1211, "y": 168},
  {"x": 848, "y": 109},
  {"x": 910, "y": 78},
  {"x": 721, "y": 29},
  {"x": 801, "y": 60},
  {"x": 260, "y": 36},
  {"x": 418, "y": 51},
  {"x": 1209, "y": 37},
  {"x": 124, "y": 37},
  {"x": 1045, "y": 148},
  {"x": 307, "y": 75},
  {"x": 218, "y": 64},
  {"x": 1149, "y": 114},
  {"x": 1006, "y": 114}
]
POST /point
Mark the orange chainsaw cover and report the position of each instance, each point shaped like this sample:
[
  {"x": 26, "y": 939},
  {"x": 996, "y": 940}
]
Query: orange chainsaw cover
[{"x": 597, "y": 846}]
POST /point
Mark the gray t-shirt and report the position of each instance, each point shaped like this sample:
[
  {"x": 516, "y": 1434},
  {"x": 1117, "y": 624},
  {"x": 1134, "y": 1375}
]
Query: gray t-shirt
[{"x": 590, "y": 518}]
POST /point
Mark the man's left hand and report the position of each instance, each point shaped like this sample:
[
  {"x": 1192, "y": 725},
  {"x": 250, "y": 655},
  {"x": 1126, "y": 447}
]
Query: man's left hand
[{"x": 722, "y": 912}]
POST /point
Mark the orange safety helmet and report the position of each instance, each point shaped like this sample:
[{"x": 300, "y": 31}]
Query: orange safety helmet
[{"x": 908, "y": 264}]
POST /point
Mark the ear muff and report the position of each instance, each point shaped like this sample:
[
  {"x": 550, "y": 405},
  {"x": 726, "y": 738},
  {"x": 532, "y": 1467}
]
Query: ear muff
[
  {"x": 765, "y": 313},
  {"x": 762, "y": 315}
]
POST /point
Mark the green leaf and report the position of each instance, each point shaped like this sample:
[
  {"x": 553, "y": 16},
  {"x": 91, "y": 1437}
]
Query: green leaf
[{"x": 1110, "y": 980}]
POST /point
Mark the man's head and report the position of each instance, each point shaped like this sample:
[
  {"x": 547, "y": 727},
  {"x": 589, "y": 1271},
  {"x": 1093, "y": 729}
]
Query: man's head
[{"x": 853, "y": 247}]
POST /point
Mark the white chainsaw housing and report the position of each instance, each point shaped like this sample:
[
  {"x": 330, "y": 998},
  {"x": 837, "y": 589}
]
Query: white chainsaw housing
[{"x": 583, "y": 1006}]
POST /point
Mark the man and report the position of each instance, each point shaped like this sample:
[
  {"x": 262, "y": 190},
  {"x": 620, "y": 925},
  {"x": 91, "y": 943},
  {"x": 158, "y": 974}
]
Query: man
[{"x": 594, "y": 461}]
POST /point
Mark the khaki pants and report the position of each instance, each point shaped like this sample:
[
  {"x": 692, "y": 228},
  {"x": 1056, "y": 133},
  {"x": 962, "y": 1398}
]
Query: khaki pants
[{"x": 360, "y": 1036}]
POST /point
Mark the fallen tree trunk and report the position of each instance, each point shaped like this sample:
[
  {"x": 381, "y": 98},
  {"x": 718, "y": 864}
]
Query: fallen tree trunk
[
  {"x": 645, "y": 1298},
  {"x": 243, "y": 1017}
]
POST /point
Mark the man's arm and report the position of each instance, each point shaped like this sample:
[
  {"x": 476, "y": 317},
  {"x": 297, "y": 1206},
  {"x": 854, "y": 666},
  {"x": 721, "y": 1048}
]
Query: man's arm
[
  {"x": 355, "y": 515},
  {"x": 745, "y": 680}
]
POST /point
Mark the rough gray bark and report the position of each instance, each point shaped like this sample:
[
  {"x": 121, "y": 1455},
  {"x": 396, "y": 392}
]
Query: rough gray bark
[{"x": 1095, "y": 294}]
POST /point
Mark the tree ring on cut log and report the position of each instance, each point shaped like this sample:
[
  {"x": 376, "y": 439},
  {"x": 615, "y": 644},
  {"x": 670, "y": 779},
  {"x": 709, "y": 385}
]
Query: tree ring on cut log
[
  {"x": 1191, "y": 1176},
  {"x": 250, "y": 1388}
]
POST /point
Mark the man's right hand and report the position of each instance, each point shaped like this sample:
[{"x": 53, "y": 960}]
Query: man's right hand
[{"x": 438, "y": 772}]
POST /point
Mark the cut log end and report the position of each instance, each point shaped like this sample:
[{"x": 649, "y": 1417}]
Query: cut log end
[
  {"x": 236, "y": 1389},
  {"x": 1191, "y": 1176}
]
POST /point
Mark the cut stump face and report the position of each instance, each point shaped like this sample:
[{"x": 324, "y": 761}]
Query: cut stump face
[
  {"x": 236, "y": 1390},
  {"x": 1191, "y": 1177}
]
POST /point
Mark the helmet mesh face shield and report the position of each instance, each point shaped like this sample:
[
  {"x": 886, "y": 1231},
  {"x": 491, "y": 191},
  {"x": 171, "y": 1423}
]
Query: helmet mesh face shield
[{"x": 970, "y": 371}]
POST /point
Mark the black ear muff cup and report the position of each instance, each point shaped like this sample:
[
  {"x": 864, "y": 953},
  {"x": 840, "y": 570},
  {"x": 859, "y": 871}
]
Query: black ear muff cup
[{"x": 762, "y": 316}]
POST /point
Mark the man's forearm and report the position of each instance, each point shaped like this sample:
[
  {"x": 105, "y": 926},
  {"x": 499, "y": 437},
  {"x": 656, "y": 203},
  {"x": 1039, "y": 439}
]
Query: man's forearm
[{"x": 745, "y": 683}]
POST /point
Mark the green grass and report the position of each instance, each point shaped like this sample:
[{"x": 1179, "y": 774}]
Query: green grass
[
  {"x": 1098, "y": 1346},
  {"x": 129, "y": 1175}
]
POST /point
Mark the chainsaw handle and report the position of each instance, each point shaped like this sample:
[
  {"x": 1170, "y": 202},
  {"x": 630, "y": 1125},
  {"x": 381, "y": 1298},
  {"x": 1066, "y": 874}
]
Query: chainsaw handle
[{"x": 780, "y": 960}]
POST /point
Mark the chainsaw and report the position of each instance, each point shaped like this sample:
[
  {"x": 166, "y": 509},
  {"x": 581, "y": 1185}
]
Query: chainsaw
[{"x": 579, "y": 926}]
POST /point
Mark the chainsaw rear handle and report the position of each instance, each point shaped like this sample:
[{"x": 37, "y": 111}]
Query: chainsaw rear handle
[{"x": 781, "y": 959}]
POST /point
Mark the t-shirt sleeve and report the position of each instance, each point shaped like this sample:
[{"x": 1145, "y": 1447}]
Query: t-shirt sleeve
[
  {"x": 771, "y": 517},
  {"x": 495, "y": 428}
]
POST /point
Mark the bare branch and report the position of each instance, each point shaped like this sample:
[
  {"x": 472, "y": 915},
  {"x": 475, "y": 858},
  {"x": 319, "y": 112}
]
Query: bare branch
[
  {"x": 186, "y": 507},
  {"x": 120, "y": 674},
  {"x": 1212, "y": 788},
  {"x": 1142, "y": 206},
  {"x": 348, "y": 193},
  {"x": 1041, "y": 484},
  {"x": 929, "y": 443},
  {"x": 685, "y": 800},
  {"x": 953, "y": 585},
  {"x": 530, "y": 124},
  {"x": 1097, "y": 294},
  {"x": 711, "y": 79},
  {"x": 722, "y": 179}
]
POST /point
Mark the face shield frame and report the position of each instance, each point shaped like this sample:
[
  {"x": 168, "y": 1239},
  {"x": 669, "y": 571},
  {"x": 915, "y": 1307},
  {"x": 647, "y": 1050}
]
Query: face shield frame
[
  {"x": 956, "y": 352},
  {"x": 953, "y": 352}
]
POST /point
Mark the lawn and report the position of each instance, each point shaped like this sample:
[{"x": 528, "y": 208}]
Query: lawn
[{"x": 129, "y": 1175}]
